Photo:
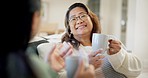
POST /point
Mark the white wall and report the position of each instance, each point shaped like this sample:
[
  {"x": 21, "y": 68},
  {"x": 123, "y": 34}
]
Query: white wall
[
  {"x": 137, "y": 25},
  {"x": 130, "y": 29},
  {"x": 57, "y": 10},
  {"x": 137, "y": 29},
  {"x": 110, "y": 12}
]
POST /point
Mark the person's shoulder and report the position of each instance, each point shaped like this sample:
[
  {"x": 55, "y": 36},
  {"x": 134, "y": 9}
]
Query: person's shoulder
[{"x": 42, "y": 68}]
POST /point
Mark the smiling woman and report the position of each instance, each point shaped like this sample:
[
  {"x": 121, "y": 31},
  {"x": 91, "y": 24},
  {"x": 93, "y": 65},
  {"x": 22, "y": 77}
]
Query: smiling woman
[
  {"x": 81, "y": 23},
  {"x": 77, "y": 28}
]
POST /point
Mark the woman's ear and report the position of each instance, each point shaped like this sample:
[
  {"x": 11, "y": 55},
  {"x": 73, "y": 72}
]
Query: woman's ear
[{"x": 35, "y": 23}]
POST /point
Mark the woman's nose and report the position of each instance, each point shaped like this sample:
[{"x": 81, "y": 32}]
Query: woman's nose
[{"x": 79, "y": 21}]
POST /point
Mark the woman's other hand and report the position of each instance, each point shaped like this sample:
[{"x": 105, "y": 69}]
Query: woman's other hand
[{"x": 95, "y": 58}]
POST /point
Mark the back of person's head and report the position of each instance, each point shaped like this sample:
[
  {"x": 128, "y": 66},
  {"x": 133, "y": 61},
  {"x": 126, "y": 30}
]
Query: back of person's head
[
  {"x": 21, "y": 18},
  {"x": 18, "y": 30}
]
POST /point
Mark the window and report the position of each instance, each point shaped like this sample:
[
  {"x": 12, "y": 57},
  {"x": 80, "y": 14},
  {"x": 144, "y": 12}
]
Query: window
[{"x": 94, "y": 6}]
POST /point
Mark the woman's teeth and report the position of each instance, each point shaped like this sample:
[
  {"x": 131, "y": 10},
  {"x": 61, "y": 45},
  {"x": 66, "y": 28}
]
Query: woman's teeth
[{"x": 81, "y": 27}]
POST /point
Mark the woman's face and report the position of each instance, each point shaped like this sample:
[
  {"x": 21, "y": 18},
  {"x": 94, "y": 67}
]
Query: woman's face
[{"x": 80, "y": 22}]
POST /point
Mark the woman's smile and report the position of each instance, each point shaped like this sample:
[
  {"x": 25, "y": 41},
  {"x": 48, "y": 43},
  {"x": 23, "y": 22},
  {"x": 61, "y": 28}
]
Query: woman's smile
[{"x": 81, "y": 27}]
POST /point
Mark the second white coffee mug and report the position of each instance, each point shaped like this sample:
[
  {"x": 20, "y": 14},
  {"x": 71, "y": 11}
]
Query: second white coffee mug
[{"x": 72, "y": 63}]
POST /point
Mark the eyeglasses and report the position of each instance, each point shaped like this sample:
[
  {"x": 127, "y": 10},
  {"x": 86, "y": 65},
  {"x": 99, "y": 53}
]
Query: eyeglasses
[{"x": 73, "y": 20}]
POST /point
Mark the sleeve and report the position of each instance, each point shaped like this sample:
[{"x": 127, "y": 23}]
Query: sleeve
[
  {"x": 126, "y": 63},
  {"x": 42, "y": 69},
  {"x": 62, "y": 73}
]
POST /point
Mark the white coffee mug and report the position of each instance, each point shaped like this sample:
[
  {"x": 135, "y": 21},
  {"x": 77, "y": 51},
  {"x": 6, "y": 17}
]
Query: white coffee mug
[
  {"x": 99, "y": 41},
  {"x": 72, "y": 63}
]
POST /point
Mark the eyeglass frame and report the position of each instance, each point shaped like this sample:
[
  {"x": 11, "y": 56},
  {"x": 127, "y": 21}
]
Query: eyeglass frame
[{"x": 78, "y": 17}]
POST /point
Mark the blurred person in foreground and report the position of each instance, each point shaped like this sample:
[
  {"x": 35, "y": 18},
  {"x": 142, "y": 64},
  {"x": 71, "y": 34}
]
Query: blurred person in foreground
[{"x": 14, "y": 60}]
